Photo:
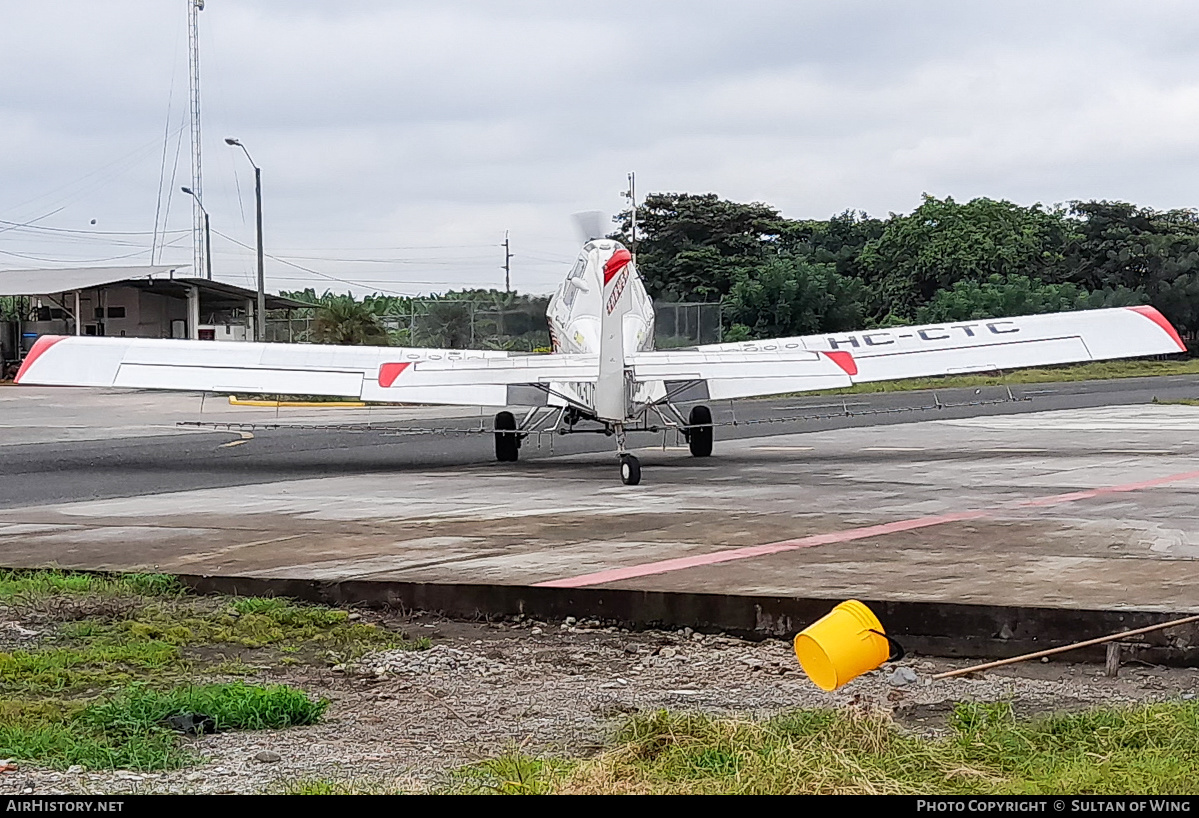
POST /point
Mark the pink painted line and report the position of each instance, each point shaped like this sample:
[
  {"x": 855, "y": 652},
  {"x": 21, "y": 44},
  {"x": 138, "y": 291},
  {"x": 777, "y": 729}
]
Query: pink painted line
[
  {"x": 666, "y": 566},
  {"x": 1073, "y": 496},
  {"x": 848, "y": 535}
]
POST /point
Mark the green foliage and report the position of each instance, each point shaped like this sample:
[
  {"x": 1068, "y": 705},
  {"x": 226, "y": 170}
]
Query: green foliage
[
  {"x": 114, "y": 654},
  {"x": 61, "y": 745},
  {"x": 105, "y": 636},
  {"x": 232, "y": 706},
  {"x": 127, "y": 730},
  {"x": 786, "y": 295},
  {"x": 691, "y": 247},
  {"x": 345, "y": 321},
  {"x": 944, "y": 261},
  {"x": 39, "y": 584},
  {"x": 1000, "y": 296},
  {"x": 943, "y": 242}
]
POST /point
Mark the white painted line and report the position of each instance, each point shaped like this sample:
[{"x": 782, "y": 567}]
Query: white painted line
[{"x": 894, "y": 449}]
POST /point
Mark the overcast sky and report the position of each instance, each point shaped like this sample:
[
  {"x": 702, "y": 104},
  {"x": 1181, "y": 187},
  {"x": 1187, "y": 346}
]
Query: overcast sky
[{"x": 399, "y": 140}]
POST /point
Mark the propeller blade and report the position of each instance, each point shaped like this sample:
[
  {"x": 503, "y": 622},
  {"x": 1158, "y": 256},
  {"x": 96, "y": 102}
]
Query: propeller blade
[{"x": 590, "y": 225}]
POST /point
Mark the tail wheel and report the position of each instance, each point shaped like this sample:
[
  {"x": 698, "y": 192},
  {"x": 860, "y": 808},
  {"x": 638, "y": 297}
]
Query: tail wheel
[
  {"x": 507, "y": 443},
  {"x": 700, "y": 440},
  {"x": 630, "y": 470}
]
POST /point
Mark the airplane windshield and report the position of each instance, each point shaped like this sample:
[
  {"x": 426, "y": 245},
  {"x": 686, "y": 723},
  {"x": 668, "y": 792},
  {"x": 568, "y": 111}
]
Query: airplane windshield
[{"x": 572, "y": 292}]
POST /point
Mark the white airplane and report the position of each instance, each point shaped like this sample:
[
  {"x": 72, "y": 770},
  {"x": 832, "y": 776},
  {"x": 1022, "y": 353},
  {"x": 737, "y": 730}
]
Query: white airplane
[{"x": 603, "y": 372}]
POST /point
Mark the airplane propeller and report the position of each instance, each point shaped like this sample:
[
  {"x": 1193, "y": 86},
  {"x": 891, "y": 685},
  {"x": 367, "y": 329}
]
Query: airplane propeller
[{"x": 591, "y": 225}]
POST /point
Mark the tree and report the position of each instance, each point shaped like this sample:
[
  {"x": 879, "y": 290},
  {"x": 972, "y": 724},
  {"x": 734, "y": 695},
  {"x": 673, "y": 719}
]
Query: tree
[
  {"x": 691, "y": 246},
  {"x": 838, "y": 240},
  {"x": 942, "y": 242},
  {"x": 344, "y": 321},
  {"x": 786, "y": 295},
  {"x": 1122, "y": 245},
  {"x": 1001, "y": 296}
]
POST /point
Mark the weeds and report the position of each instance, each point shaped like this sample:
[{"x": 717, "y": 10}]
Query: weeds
[
  {"x": 114, "y": 656},
  {"x": 1151, "y": 749},
  {"x": 128, "y": 730},
  {"x": 232, "y": 706}
]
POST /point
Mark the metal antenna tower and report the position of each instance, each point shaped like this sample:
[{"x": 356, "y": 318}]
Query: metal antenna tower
[{"x": 194, "y": 7}]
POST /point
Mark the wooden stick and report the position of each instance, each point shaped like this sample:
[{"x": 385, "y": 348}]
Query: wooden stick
[{"x": 1113, "y": 637}]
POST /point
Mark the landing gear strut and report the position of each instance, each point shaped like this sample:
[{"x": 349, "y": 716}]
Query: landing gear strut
[
  {"x": 630, "y": 466},
  {"x": 507, "y": 440}
]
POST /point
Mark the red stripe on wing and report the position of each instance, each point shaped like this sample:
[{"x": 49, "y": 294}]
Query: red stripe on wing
[
  {"x": 1159, "y": 319},
  {"x": 39, "y": 347},
  {"x": 844, "y": 360},
  {"x": 389, "y": 372}
]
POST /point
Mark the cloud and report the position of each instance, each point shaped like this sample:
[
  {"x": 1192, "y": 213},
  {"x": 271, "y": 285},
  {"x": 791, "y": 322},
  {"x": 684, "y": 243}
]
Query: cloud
[{"x": 412, "y": 134}]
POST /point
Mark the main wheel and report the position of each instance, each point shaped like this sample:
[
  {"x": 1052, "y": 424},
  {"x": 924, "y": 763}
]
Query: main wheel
[
  {"x": 630, "y": 470},
  {"x": 507, "y": 444},
  {"x": 700, "y": 440}
]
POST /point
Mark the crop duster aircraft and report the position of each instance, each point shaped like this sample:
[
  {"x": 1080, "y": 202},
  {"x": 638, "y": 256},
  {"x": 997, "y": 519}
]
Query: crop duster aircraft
[{"x": 603, "y": 374}]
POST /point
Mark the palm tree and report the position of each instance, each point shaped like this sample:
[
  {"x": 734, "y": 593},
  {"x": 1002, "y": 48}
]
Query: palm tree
[{"x": 347, "y": 322}]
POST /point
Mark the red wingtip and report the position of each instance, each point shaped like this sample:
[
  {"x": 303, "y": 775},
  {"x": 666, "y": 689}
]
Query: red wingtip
[
  {"x": 844, "y": 360},
  {"x": 1159, "y": 319},
  {"x": 619, "y": 259},
  {"x": 389, "y": 372},
  {"x": 39, "y": 347}
]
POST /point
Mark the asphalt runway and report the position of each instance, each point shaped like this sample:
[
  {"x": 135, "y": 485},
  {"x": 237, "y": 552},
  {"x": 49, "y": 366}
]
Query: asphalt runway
[
  {"x": 59, "y": 445},
  {"x": 1067, "y": 496}
]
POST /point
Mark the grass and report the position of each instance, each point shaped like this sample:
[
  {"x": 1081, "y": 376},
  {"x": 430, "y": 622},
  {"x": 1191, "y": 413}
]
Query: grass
[
  {"x": 115, "y": 655},
  {"x": 1098, "y": 370},
  {"x": 29, "y": 585},
  {"x": 1148, "y": 749},
  {"x": 128, "y": 730},
  {"x": 232, "y": 706}
]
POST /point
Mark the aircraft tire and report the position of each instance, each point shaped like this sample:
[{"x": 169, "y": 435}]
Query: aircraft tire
[
  {"x": 507, "y": 446},
  {"x": 700, "y": 440},
  {"x": 630, "y": 470}
]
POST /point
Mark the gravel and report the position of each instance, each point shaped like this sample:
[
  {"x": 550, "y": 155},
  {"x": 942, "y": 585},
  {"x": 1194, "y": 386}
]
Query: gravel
[{"x": 402, "y": 719}]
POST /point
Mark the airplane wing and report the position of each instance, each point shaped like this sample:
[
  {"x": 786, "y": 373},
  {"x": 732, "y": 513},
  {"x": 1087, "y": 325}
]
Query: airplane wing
[
  {"x": 913, "y": 352},
  {"x": 384, "y": 374}
]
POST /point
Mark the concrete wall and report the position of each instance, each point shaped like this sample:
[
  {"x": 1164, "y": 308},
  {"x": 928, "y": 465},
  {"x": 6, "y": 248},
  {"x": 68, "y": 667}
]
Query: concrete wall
[{"x": 147, "y": 315}]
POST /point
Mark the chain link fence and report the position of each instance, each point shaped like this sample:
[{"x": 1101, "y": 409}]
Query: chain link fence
[{"x": 464, "y": 324}]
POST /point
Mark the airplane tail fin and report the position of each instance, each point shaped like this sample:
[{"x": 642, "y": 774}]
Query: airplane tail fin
[{"x": 611, "y": 389}]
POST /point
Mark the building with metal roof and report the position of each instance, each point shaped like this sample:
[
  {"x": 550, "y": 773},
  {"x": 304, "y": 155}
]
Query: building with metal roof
[{"x": 137, "y": 302}]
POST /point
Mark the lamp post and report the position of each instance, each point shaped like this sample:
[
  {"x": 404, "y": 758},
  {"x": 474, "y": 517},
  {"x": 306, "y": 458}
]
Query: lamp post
[
  {"x": 207, "y": 234},
  {"x": 260, "y": 322}
]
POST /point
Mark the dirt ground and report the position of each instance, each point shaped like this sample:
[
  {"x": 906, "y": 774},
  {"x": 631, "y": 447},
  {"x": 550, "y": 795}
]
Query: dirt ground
[{"x": 404, "y": 720}]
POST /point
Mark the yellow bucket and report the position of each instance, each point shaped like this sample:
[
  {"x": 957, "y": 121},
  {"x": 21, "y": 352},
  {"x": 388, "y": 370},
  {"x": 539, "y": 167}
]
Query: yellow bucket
[{"x": 844, "y": 644}]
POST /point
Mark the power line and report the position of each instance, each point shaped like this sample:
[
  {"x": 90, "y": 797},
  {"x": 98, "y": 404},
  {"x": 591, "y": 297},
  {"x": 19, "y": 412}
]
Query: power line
[{"x": 30, "y": 226}]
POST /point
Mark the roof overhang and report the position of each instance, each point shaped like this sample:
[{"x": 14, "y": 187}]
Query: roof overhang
[
  {"x": 159, "y": 279},
  {"x": 68, "y": 279}
]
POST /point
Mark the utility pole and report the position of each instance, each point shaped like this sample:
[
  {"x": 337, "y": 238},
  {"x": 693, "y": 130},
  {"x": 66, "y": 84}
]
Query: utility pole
[
  {"x": 507, "y": 265},
  {"x": 260, "y": 318},
  {"x": 194, "y": 7},
  {"x": 631, "y": 194},
  {"x": 207, "y": 234}
]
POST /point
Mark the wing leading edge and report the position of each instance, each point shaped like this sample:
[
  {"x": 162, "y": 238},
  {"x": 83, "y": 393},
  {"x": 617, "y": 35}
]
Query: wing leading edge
[
  {"x": 386, "y": 374},
  {"x": 961, "y": 347},
  {"x": 496, "y": 378}
]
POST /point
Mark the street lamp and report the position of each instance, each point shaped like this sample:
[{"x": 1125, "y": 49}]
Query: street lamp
[
  {"x": 260, "y": 323},
  {"x": 207, "y": 234}
]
